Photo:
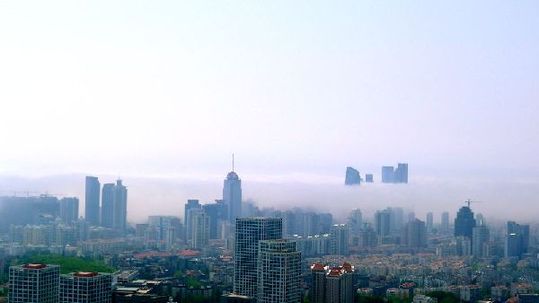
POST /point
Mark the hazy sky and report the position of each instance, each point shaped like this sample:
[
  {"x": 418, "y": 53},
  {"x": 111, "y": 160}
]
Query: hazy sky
[{"x": 294, "y": 88}]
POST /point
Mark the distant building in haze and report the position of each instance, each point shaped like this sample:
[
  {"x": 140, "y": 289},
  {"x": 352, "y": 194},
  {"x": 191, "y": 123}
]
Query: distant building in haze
[
  {"x": 248, "y": 233},
  {"x": 414, "y": 234},
  {"x": 352, "y": 176},
  {"x": 340, "y": 238},
  {"x": 464, "y": 222},
  {"x": 279, "y": 272},
  {"x": 517, "y": 239},
  {"x": 382, "y": 223},
  {"x": 200, "y": 229},
  {"x": 480, "y": 241},
  {"x": 369, "y": 178},
  {"x": 190, "y": 206},
  {"x": 217, "y": 213},
  {"x": 69, "y": 210},
  {"x": 430, "y": 222},
  {"x": 392, "y": 175},
  {"x": 91, "y": 201},
  {"x": 107, "y": 205},
  {"x": 114, "y": 206},
  {"x": 444, "y": 226}
]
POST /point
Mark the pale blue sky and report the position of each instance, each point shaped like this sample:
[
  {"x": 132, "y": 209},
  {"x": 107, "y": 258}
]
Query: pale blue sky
[{"x": 292, "y": 87}]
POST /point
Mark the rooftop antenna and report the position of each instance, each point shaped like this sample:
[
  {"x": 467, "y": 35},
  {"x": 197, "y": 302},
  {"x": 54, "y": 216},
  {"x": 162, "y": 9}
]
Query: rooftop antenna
[{"x": 232, "y": 161}]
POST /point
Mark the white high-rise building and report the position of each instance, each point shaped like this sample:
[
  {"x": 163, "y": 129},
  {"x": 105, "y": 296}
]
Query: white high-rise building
[
  {"x": 249, "y": 231},
  {"x": 34, "y": 283},
  {"x": 279, "y": 272},
  {"x": 86, "y": 287},
  {"x": 200, "y": 227}
]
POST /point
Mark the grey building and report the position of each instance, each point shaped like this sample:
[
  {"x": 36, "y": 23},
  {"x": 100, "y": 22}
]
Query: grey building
[
  {"x": 86, "y": 287},
  {"x": 192, "y": 204},
  {"x": 480, "y": 239},
  {"x": 414, "y": 234},
  {"x": 69, "y": 210},
  {"x": 388, "y": 174},
  {"x": 232, "y": 196},
  {"x": 200, "y": 228},
  {"x": 464, "y": 222},
  {"x": 352, "y": 176},
  {"x": 91, "y": 201},
  {"x": 34, "y": 283},
  {"x": 430, "y": 222},
  {"x": 107, "y": 205},
  {"x": 248, "y": 232},
  {"x": 332, "y": 285},
  {"x": 279, "y": 272},
  {"x": 444, "y": 226},
  {"x": 340, "y": 238}
]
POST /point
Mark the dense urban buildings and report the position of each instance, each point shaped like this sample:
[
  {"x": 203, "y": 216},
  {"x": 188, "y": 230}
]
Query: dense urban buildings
[{"x": 352, "y": 176}]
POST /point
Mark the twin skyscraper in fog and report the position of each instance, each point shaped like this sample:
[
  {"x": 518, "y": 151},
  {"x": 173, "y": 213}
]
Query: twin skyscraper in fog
[
  {"x": 112, "y": 211},
  {"x": 390, "y": 174}
]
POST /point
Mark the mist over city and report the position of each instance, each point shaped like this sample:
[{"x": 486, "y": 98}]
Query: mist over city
[{"x": 269, "y": 151}]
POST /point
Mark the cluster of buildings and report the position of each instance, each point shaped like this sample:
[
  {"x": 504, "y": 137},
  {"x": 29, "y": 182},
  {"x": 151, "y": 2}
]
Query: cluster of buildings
[{"x": 390, "y": 174}]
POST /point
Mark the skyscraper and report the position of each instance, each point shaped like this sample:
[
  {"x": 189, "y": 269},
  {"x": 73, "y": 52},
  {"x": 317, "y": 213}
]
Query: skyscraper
[
  {"x": 119, "y": 219},
  {"x": 480, "y": 239},
  {"x": 464, "y": 222},
  {"x": 352, "y": 176},
  {"x": 318, "y": 283},
  {"x": 382, "y": 223},
  {"x": 69, "y": 210},
  {"x": 218, "y": 214},
  {"x": 444, "y": 227},
  {"x": 85, "y": 287},
  {"x": 388, "y": 174},
  {"x": 91, "y": 201},
  {"x": 430, "y": 222},
  {"x": 248, "y": 232},
  {"x": 279, "y": 272},
  {"x": 191, "y": 205},
  {"x": 232, "y": 196},
  {"x": 516, "y": 239},
  {"x": 401, "y": 173},
  {"x": 414, "y": 234},
  {"x": 107, "y": 205},
  {"x": 200, "y": 229},
  {"x": 34, "y": 283},
  {"x": 340, "y": 238}
]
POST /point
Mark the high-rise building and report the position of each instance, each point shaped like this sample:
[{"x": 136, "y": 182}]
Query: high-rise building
[
  {"x": 382, "y": 223},
  {"x": 279, "y": 272},
  {"x": 355, "y": 221},
  {"x": 480, "y": 239},
  {"x": 69, "y": 210},
  {"x": 119, "y": 219},
  {"x": 352, "y": 176},
  {"x": 91, "y": 201},
  {"x": 232, "y": 196},
  {"x": 464, "y": 222},
  {"x": 430, "y": 222},
  {"x": 107, "y": 205},
  {"x": 248, "y": 232},
  {"x": 34, "y": 283},
  {"x": 388, "y": 174},
  {"x": 396, "y": 219},
  {"x": 317, "y": 293},
  {"x": 164, "y": 226},
  {"x": 516, "y": 239},
  {"x": 369, "y": 178},
  {"x": 86, "y": 287},
  {"x": 191, "y": 205},
  {"x": 414, "y": 234},
  {"x": 332, "y": 285},
  {"x": 340, "y": 238},
  {"x": 444, "y": 226},
  {"x": 401, "y": 173},
  {"x": 217, "y": 213},
  {"x": 200, "y": 228}
]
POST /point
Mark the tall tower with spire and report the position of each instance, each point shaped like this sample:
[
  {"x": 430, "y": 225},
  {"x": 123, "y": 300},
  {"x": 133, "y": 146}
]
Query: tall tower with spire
[{"x": 232, "y": 194}]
